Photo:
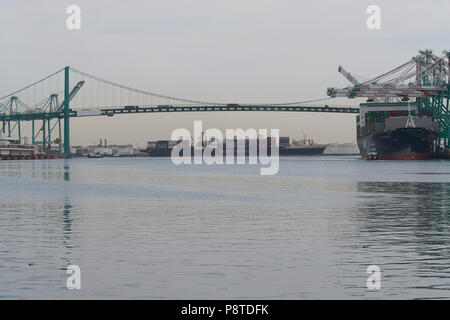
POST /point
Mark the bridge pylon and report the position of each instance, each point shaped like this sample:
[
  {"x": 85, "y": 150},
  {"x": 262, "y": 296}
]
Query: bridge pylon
[{"x": 66, "y": 111}]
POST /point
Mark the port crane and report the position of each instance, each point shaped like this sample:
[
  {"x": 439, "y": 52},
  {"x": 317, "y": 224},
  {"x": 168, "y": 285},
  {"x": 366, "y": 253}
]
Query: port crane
[
  {"x": 430, "y": 73},
  {"x": 424, "y": 80},
  {"x": 348, "y": 76},
  {"x": 49, "y": 111}
]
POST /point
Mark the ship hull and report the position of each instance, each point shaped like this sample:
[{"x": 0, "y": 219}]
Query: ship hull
[
  {"x": 401, "y": 144},
  {"x": 283, "y": 152},
  {"x": 301, "y": 151}
]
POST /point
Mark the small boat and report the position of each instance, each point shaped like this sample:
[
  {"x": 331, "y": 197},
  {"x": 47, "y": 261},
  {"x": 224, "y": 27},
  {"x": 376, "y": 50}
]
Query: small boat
[
  {"x": 94, "y": 155},
  {"x": 373, "y": 154}
]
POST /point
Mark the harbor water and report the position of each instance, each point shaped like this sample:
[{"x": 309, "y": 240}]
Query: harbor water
[{"x": 144, "y": 228}]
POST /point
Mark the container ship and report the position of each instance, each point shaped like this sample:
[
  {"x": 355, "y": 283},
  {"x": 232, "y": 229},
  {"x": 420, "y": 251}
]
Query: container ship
[
  {"x": 395, "y": 131},
  {"x": 304, "y": 147},
  {"x": 406, "y": 115}
]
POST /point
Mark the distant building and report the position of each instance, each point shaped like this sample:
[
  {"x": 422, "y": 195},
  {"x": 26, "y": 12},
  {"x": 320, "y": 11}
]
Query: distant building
[
  {"x": 122, "y": 150},
  {"x": 106, "y": 151}
]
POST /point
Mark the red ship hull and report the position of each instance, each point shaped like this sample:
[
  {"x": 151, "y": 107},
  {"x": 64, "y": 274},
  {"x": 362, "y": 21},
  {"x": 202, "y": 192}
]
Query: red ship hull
[{"x": 401, "y": 156}]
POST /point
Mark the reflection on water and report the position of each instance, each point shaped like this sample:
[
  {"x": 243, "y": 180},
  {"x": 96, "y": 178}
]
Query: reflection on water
[
  {"x": 67, "y": 229},
  {"x": 143, "y": 228},
  {"x": 66, "y": 171},
  {"x": 409, "y": 224}
]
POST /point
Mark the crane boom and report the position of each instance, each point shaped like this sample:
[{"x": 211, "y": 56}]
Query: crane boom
[
  {"x": 385, "y": 91},
  {"x": 73, "y": 92},
  {"x": 348, "y": 76},
  {"x": 430, "y": 75}
]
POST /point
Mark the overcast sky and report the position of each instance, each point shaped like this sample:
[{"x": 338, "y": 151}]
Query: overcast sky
[{"x": 228, "y": 50}]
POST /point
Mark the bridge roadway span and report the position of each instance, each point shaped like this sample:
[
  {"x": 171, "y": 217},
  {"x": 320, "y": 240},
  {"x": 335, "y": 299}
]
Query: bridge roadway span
[{"x": 161, "y": 109}]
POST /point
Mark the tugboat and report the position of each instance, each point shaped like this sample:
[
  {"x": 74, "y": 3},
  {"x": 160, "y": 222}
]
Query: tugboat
[
  {"x": 372, "y": 155},
  {"x": 94, "y": 155}
]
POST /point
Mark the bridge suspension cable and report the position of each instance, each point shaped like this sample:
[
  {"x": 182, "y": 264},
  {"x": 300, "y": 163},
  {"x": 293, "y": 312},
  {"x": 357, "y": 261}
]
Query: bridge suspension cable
[
  {"x": 174, "y": 100},
  {"x": 33, "y": 84},
  {"x": 121, "y": 86}
]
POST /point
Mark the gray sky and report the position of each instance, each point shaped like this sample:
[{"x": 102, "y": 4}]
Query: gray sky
[{"x": 235, "y": 50}]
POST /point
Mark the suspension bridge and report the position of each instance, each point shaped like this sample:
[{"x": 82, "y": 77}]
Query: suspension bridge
[
  {"x": 51, "y": 102},
  {"x": 68, "y": 93}
]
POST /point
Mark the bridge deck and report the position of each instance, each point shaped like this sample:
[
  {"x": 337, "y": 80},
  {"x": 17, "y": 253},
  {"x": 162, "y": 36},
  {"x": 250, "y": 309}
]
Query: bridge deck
[{"x": 137, "y": 109}]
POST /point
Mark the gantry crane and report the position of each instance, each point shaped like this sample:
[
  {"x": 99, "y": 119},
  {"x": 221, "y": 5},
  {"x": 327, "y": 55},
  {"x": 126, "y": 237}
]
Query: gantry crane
[{"x": 425, "y": 79}]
